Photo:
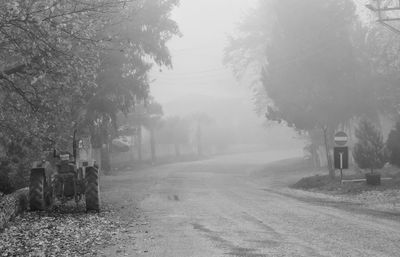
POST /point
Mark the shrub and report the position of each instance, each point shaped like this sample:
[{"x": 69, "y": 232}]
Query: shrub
[
  {"x": 393, "y": 145},
  {"x": 369, "y": 151},
  {"x": 15, "y": 166}
]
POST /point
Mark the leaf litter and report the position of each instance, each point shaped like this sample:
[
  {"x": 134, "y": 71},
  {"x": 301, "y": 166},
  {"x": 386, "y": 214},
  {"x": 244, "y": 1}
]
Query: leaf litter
[{"x": 66, "y": 231}]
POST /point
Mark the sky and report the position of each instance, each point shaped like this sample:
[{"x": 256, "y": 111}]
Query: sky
[{"x": 197, "y": 55}]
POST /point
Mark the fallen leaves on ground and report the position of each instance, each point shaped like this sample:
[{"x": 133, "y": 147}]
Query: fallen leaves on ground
[{"x": 66, "y": 231}]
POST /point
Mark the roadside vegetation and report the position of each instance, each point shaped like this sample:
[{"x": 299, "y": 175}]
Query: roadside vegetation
[
  {"x": 323, "y": 183},
  {"x": 74, "y": 65},
  {"x": 372, "y": 157},
  {"x": 322, "y": 67},
  {"x": 68, "y": 66}
]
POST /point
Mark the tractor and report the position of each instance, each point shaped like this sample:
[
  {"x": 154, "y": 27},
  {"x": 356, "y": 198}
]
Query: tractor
[{"x": 67, "y": 177}]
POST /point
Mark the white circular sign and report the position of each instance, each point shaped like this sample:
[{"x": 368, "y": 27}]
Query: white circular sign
[{"x": 341, "y": 138}]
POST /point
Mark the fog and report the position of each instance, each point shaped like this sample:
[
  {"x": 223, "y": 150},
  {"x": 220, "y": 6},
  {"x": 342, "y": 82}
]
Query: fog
[
  {"x": 199, "y": 128},
  {"x": 199, "y": 82},
  {"x": 197, "y": 55}
]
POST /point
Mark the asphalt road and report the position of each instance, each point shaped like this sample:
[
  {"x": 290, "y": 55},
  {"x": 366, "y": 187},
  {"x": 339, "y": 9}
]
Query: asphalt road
[{"x": 231, "y": 206}]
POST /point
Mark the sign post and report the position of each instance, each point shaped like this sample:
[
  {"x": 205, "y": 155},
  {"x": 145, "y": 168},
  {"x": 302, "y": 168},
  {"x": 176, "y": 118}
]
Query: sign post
[
  {"x": 341, "y": 153},
  {"x": 341, "y": 166}
]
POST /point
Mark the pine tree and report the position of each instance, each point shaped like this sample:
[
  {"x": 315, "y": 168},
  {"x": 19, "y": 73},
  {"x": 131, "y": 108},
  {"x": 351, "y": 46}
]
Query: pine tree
[
  {"x": 369, "y": 151},
  {"x": 393, "y": 145}
]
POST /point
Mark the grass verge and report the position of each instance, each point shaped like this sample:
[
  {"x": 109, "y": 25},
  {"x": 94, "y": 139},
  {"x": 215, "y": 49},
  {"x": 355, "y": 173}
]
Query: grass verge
[{"x": 323, "y": 183}]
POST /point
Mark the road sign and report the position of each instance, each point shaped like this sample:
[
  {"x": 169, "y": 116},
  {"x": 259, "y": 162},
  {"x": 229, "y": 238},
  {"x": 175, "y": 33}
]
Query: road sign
[
  {"x": 341, "y": 156},
  {"x": 341, "y": 138}
]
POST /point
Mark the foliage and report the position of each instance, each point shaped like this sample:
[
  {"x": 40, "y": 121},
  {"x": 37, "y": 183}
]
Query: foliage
[
  {"x": 137, "y": 40},
  {"x": 393, "y": 145},
  {"x": 138, "y": 37},
  {"x": 323, "y": 88},
  {"x": 321, "y": 45},
  {"x": 245, "y": 53},
  {"x": 59, "y": 47},
  {"x": 49, "y": 56},
  {"x": 146, "y": 114},
  {"x": 369, "y": 151},
  {"x": 68, "y": 65},
  {"x": 312, "y": 70},
  {"x": 13, "y": 168}
]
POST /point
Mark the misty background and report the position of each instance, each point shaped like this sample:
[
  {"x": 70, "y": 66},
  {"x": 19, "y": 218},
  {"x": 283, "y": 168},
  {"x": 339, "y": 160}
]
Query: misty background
[
  {"x": 200, "y": 82},
  {"x": 146, "y": 79}
]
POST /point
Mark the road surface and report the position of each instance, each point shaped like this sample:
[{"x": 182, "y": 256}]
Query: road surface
[{"x": 232, "y": 206}]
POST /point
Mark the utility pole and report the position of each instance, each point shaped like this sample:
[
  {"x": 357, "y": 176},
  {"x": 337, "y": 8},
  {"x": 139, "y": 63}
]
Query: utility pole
[{"x": 388, "y": 13}]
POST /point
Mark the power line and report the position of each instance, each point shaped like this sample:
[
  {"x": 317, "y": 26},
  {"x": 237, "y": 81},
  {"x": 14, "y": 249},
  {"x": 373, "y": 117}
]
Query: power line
[{"x": 218, "y": 71}]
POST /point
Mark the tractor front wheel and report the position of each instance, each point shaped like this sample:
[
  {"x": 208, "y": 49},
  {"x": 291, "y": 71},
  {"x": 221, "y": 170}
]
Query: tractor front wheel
[
  {"x": 37, "y": 194},
  {"x": 92, "y": 190}
]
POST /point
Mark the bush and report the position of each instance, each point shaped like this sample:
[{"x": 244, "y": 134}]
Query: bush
[
  {"x": 14, "y": 167},
  {"x": 13, "y": 176},
  {"x": 369, "y": 151},
  {"x": 393, "y": 145}
]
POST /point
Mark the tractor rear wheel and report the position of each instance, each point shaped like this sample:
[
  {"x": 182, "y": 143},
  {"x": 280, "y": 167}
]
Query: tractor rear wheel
[
  {"x": 37, "y": 194},
  {"x": 92, "y": 191}
]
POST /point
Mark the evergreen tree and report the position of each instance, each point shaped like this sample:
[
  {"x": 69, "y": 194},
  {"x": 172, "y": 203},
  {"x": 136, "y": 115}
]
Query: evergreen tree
[
  {"x": 393, "y": 145},
  {"x": 369, "y": 151}
]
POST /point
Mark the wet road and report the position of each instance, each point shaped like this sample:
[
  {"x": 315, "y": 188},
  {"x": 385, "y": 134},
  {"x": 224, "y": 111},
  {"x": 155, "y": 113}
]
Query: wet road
[{"x": 229, "y": 206}]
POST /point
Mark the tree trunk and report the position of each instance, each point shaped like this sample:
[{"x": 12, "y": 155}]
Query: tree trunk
[
  {"x": 132, "y": 148},
  {"x": 152, "y": 146},
  {"x": 328, "y": 155},
  {"x": 315, "y": 157},
  {"x": 139, "y": 143},
  {"x": 199, "y": 146},
  {"x": 96, "y": 154},
  {"x": 177, "y": 150},
  {"x": 105, "y": 160},
  {"x": 105, "y": 150}
]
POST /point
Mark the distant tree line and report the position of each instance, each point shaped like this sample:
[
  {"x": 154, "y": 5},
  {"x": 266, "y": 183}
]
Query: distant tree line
[{"x": 193, "y": 136}]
